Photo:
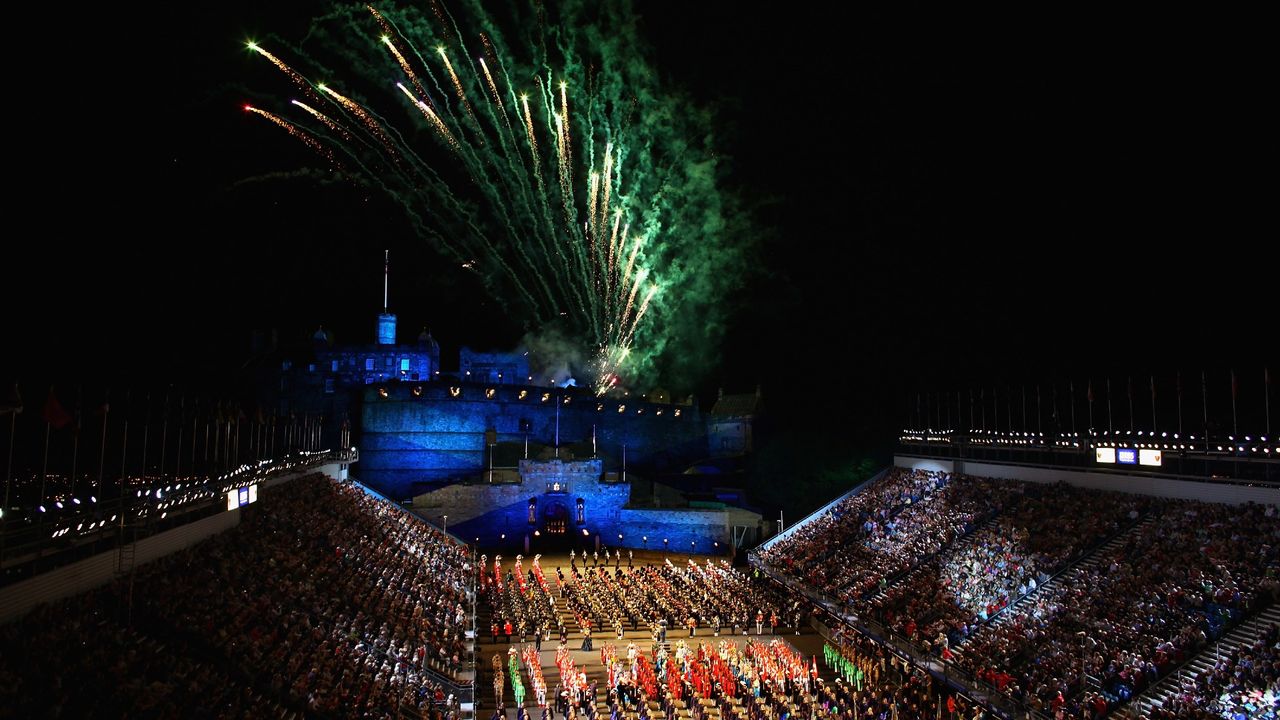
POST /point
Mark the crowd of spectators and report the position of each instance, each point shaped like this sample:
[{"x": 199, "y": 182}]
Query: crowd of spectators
[
  {"x": 1156, "y": 596},
  {"x": 336, "y": 598},
  {"x": 1147, "y": 605},
  {"x": 1244, "y": 683},
  {"x": 871, "y": 538},
  {"x": 323, "y": 600},
  {"x": 944, "y": 599},
  {"x": 73, "y": 658}
]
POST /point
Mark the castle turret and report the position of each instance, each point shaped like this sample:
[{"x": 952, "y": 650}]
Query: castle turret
[{"x": 387, "y": 320}]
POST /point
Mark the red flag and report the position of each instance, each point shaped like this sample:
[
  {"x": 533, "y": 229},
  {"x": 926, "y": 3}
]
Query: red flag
[{"x": 54, "y": 413}]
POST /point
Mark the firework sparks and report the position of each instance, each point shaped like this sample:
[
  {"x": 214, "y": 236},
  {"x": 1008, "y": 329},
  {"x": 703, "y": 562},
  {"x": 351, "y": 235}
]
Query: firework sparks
[
  {"x": 328, "y": 121},
  {"x": 363, "y": 116},
  {"x": 565, "y": 250},
  {"x": 297, "y": 132},
  {"x": 457, "y": 83},
  {"x": 430, "y": 115}
]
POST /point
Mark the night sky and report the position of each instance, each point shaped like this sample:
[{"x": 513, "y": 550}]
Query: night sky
[{"x": 959, "y": 203}]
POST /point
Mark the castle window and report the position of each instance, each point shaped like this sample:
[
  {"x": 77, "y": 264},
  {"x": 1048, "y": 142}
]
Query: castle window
[
  {"x": 390, "y": 361},
  {"x": 404, "y": 364},
  {"x": 582, "y": 518},
  {"x": 368, "y": 363},
  {"x": 333, "y": 366},
  {"x": 311, "y": 367},
  {"x": 328, "y": 386}
]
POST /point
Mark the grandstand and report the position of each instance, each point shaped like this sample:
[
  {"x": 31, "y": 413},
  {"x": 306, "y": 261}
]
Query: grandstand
[
  {"x": 1047, "y": 598},
  {"x": 319, "y": 600},
  {"x": 943, "y": 586}
]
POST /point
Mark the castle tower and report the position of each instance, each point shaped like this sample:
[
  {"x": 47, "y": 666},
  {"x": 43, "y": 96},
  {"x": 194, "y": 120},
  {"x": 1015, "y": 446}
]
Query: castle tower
[{"x": 386, "y": 321}]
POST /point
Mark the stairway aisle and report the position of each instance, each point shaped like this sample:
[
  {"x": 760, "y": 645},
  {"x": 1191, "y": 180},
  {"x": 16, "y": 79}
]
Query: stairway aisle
[{"x": 1244, "y": 635}]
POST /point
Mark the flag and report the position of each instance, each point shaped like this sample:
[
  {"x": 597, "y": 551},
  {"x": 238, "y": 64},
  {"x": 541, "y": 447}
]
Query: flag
[
  {"x": 79, "y": 411},
  {"x": 1090, "y": 392},
  {"x": 13, "y": 404},
  {"x": 105, "y": 407},
  {"x": 54, "y": 413}
]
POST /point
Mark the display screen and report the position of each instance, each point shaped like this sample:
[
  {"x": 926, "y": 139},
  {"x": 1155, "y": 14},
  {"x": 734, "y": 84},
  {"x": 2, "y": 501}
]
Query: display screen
[
  {"x": 242, "y": 496},
  {"x": 1149, "y": 457},
  {"x": 1106, "y": 455},
  {"x": 1126, "y": 456}
]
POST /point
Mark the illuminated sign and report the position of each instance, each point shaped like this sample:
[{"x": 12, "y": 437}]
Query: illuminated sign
[
  {"x": 1126, "y": 456},
  {"x": 1106, "y": 455},
  {"x": 1149, "y": 457},
  {"x": 242, "y": 496}
]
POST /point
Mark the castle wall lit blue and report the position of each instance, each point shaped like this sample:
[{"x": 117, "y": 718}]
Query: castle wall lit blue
[
  {"x": 471, "y": 442},
  {"x": 415, "y": 434}
]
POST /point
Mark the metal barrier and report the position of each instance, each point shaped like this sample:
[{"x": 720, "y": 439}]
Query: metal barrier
[{"x": 44, "y": 540}]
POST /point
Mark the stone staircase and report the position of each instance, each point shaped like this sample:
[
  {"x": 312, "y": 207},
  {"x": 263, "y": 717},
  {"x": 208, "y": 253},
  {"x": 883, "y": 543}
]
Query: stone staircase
[{"x": 1244, "y": 635}]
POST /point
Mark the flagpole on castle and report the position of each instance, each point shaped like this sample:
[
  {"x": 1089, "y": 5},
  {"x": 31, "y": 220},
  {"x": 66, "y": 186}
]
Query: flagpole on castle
[
  {"x": 102, "y": 446},
  {"x": 44, "y": 469},
  {"x": 13, "y": 427}
]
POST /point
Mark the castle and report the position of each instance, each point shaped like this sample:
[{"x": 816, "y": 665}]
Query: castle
[{"x": 507, "y": 453}]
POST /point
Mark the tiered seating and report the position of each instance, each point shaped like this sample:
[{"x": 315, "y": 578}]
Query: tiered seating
[
  {"x": 876, "y": 535},
  {"x": 1157, "y": 598},
  {"x": 323, "y": 600},
  {"x": 72, "y": 659},
  {"x": 940, "y": 601},
  {"x": 336, "y": 598}
]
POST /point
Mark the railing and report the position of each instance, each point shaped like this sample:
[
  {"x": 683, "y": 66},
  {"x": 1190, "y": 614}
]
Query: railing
[
  {"x": 43, "y": 540},
  {"x": 856, "y": 489},
  {"x": 1218, "y": 459}
]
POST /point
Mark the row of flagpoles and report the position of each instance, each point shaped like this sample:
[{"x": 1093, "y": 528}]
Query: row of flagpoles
[
  {"x": 202, "y": 438},
  {"x": 934, "y": 409}
]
